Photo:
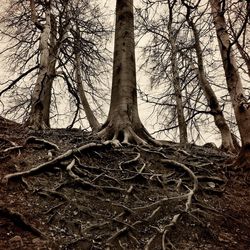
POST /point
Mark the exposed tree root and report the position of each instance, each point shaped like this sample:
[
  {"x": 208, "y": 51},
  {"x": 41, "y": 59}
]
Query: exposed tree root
[
  {"x": 122, "y": 134},
  {"x": 13, "y": 144},
  {"x": 48, "y": 164},
  {"x": 147, "y": 246},
  {"x": 172, "y": 223},
  {"x": 210, "y": 178},
  {"x": 88, "y": 184},
  {"x": 192, "y": 175},
  {"x": 138, "y": 155},
  {"x": 33, "y": 139},
  {"x": 177, "y": 216},
  {"x": 54, "y": 193},
  {"x": 163, "y": 232},
  {"x": 119, "y": 189},
  {"x": 121, "y": 231},
  {"x": 54, "y": 207},
  {"x": 12, "y": 149}
]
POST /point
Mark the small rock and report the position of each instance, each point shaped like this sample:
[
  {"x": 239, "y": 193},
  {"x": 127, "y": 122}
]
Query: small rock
[
  {"x": 211, "y": 184},
  {"x": 50, "y": 156},
  {"x": 36, "y": 241},
  {"x": 17, "y": 241}
]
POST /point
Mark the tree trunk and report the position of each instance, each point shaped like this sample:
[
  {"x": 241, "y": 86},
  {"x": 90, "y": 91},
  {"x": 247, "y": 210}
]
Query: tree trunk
[
  {"x": 51, "y": 73},
  {"x": 235, "y": 88},
  {"x": 36, "y": 118},
  {"x": 94, "y": 124},
  {"x": 177, "y": 89},
  {"x": 123, "y": 123},
  {"x": 213, "y": 103},
  {"x": 244, "y": 56}
]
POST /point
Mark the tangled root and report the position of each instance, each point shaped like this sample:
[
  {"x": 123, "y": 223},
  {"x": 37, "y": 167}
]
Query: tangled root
[{"x": 125, "y": 136}]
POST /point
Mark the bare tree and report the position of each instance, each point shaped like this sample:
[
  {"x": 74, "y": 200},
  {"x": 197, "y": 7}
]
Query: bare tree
[
  {"x": 180, "y": 98},
  {"x": 213, "y": 103},
  {"x": 93, "y": 122},
  {"x": 123, "y": 122},
  {"x": 239, "y": 101},
  {"x": 238, "y": 16},
  {"x": 40, "y": 98},
  {"x": 176, "y": 78},
  {"x": 47, "y": 59}
]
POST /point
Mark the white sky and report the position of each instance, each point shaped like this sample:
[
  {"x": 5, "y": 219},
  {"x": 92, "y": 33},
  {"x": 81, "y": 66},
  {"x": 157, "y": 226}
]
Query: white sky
[{"x": 142, "y": 79}]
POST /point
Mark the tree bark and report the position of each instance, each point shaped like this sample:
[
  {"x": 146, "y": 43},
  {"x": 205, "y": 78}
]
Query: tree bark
[
  {"x": 176, "y": 79},
  {"x": 49, "y": 46},
  {"x": 51, "y": 73},
  {"x": 123, "y": 123},
  {"x": 93, "y": 122},
  {"x": 35, "y": 120},
  {"x": 234, "y": 84},
  {"x": 213, "y": 103},
  {"x": 177, "y": 89},
  {"x": 244, "y": 56}
]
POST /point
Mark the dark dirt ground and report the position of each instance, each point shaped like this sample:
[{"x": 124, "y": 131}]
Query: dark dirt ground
[{"x": 118, "y": 198}]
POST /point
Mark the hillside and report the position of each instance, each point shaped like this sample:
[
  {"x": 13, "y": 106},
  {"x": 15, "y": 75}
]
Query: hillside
[{"x": 76, "y": 192}]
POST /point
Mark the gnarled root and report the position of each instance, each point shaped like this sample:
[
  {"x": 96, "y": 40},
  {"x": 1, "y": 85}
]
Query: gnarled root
[{"x": 126, "y": 134}]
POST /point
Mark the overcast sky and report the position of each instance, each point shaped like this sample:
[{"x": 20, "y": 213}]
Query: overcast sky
[{"x": 142, "y": 79}]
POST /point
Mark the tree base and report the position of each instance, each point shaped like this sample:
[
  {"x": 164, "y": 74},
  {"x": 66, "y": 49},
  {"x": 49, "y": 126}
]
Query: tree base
[
  {"x": 243, "y": 159},
  {"x": 229, "y": 149},
  {"x": 118, "y": 134},
  {"x": 37, "y": 124}
]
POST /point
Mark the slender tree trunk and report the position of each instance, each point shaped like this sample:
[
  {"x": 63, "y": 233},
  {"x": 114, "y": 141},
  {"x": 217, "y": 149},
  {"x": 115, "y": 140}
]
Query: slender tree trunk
[
  {"x": 93, "y": 122},
  {"x": 219, "y": 119},
  {"x": 54, "y": 49},
  {"x": 177, "y": 89},
  {"x": 176, "y": 79},
  {"x": 49, "y": 46},
  {"x": 235, "y": 88},
  {"x": 51, "y": 73},
  {"x": 35, "y": 119},
  {"x": 123, "y": 122}
]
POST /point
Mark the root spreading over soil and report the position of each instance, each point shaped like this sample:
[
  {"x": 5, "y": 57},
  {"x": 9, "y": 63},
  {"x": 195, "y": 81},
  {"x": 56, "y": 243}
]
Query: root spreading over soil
[{"x": 62, "y": 189}]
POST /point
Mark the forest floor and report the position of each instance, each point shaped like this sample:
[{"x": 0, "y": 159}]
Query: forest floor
[{"x": 97, "y": 196}]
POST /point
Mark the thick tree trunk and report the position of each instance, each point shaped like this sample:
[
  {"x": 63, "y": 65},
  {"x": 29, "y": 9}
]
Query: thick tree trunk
[
  {"x": 93, "y": 122},
  {"x": 244, "y": 55},
  {"x": 123, "y": 123},
  {"x": 243, "y": 47},
  {"x": 36, "y": 116},
  {"x": 178, "y": 95},
  {"x": 235, "y": 88},
  {"x": 219, "y": 119}
]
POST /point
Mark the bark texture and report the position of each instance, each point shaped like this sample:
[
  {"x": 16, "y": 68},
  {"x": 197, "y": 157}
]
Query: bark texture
[
  {"x": 177, "y": 89},
  {"x": 123, "y": 123},
  {"x": 227, "y": 143},
  {"x": 245, "y": 56},
  {"x": 239, "y": 101},
  {"x": 51, "y": 72},
  {"x": 36, "y": 116},
  {"x": 39, "y": 117},
  {"x": 93, "y": 122}
]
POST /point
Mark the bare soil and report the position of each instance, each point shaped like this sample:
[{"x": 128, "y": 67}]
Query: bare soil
[{"x": 131, "y": 197}]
